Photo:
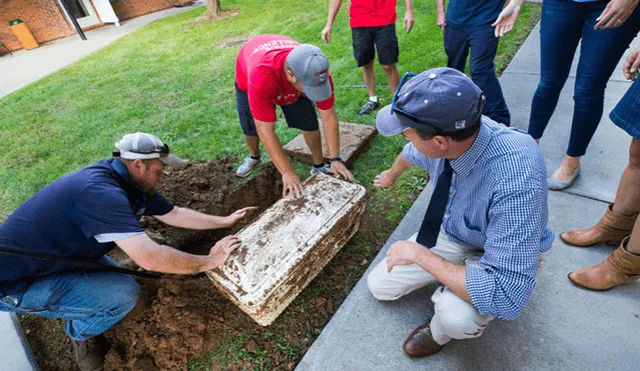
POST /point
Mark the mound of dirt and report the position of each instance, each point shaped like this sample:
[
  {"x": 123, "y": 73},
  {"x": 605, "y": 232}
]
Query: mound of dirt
[
  {"x": 212, "y": 188},
  {"x": 183, "y": 314}
]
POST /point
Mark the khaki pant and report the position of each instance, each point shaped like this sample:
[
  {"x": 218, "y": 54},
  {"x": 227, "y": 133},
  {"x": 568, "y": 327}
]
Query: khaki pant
[{"x": 454, "y": 318}]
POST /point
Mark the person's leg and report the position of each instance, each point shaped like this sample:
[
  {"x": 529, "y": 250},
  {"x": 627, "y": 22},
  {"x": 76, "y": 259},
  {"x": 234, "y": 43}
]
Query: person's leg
[
  {"x": 90, "y": 302},
  {"x": 369, "y": 75},
  {"x": 455, "y": 318},
  {"x": 393, "y": 76},
  {"x": 388, "y": 50},
  {"x": 560, "y": 32},
  {"x": 484, "y": 45},
  {"x": 621, "y": 267},
  {"x": 633, "y": 246},
  {"x": 402, "y": 280},
  {"x": 620, "y": 217},
  {"x": 456, "y": 45},
  {"x": 302, "y": 115},
  {"x": 599, "y": 55},
  {"x": 364, "y": 53},
  {"x": 627, "y": 201},
  {"x": 247, "y": 123},
  {"x": 250, "y": 133}
]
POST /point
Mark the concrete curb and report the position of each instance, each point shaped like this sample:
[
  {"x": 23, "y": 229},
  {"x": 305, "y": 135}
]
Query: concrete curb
[{"x": 14, "y": 349}]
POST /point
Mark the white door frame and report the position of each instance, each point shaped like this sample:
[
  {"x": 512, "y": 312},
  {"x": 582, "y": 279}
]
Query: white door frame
[{"x": 91, "y": 20}]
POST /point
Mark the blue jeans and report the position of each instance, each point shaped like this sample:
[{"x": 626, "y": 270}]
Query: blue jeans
[
  {"x": 483, "y": 44},
  {"x": 626, "y": 115},
  {"x": 90, "y": 302},
  {"x": 564, "y": 23}
]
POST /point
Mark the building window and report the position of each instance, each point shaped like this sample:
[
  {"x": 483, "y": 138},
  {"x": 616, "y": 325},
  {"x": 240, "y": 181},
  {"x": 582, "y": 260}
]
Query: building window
[{"x": 77, "y": 8}]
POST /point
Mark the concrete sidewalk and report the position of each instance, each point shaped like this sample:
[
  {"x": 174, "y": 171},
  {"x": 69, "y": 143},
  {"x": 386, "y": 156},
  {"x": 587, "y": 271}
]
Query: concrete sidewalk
[
  {"x": 27, "y": 66},
  {"x": 563, "y": 327}
]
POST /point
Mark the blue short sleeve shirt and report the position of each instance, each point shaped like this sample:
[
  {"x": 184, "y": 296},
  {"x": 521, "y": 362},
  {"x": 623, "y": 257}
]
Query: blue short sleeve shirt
[{"x": 78, "y": 216}]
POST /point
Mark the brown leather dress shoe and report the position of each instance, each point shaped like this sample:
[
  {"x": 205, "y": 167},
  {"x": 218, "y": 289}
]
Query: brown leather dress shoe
[{"x": 420, "y": 343}]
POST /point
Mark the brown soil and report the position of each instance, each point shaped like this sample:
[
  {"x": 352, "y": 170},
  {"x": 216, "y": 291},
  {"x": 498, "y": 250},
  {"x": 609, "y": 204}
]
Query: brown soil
[{"x": 186, "y": 318}]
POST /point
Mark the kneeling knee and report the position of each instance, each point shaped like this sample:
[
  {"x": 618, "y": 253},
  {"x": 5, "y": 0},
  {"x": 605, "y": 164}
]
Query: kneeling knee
[
  {"x": 378, "y": 291},
  {"x": 127, "y": 294}
]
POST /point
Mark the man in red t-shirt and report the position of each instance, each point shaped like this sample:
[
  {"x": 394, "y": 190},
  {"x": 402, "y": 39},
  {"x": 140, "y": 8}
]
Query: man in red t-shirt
[
  {"x": 277, "y": 70},
  {"x": 373, "y": 27}
]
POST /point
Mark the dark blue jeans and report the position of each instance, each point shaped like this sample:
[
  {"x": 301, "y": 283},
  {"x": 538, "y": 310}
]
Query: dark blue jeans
[
  {"x": 564, "y": 23},
  {"x": 90, "y": 302},
  {"x": 483, "y": 44},
  {"x": 626, "y": 115}
]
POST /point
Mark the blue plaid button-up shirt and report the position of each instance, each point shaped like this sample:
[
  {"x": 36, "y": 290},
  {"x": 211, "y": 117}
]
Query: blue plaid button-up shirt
[{"x": 497, "y": 203}]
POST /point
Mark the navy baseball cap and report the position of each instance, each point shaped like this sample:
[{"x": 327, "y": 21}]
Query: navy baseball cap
[
  {"x": 440, "y": 100},
  {"x": 311, "y": 67}
]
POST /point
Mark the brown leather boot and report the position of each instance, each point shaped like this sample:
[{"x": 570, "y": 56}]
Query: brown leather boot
[
  {"x": 90, "y": 353},
  {"x": 619, "y": 268},
  {"x": 611, "y": 229}
]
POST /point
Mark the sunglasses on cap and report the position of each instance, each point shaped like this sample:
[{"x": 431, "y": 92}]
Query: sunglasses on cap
[{"x": 162, "y": 150}]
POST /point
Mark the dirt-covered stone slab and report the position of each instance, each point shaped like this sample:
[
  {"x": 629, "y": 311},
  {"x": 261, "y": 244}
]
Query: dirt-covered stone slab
[
  {"x": 288, "y": 245},
  {"x": 354, "y": 139}
]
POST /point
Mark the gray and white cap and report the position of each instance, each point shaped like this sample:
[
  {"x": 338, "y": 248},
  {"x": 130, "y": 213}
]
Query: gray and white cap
[
  {"x": 311, "y": 67},
  {"x": 145, "y": 147}
]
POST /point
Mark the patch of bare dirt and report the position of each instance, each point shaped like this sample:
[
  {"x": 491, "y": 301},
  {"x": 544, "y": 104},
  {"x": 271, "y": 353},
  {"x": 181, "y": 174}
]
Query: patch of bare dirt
[{"x": 186, "y": 319}]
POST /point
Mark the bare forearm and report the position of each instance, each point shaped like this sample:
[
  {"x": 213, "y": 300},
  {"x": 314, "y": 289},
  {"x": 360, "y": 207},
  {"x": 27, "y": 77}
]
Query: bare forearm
[
  {"x": 450, "y": 274},
  {"x": 274, "y": 148},
  {"x": 334, "y": 8},
  {"x": 191, "y": 219},
  {"x": 440, "y": 5},
  {"x": 400, "y": 166},
  {"x": 408, "y": 4},
  {"x": 331, "y": 128},
  {"x": 170, "y": 260}
]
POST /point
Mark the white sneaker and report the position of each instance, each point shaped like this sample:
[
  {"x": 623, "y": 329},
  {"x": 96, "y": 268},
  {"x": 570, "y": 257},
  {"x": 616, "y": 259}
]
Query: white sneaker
[
  {"x": 326, "y": 169},
  {"x": 247, "y": 165}
]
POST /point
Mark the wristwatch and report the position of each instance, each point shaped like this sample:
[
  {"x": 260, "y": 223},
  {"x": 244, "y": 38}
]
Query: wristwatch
[{"x": 333, "y": 159}]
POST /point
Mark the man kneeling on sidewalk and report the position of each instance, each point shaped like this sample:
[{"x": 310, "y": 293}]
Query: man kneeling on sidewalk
[
  {"x": 79, "y": 218},
  {"x": 486, "y": 224}
]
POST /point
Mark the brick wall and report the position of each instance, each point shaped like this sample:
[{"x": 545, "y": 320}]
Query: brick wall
[
  {"x": 46, "y": 20},
  {"x": 43, "y": 17},
  {"x": 126, "y": 9}
]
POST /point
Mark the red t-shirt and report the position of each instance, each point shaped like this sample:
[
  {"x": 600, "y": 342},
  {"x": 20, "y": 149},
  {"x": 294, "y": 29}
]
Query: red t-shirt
[
  {"x": 260, "y": 72},
  {"x": 372, "y": 13}
]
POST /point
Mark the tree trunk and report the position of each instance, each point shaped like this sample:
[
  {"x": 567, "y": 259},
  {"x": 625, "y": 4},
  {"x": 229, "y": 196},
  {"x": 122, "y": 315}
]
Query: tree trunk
[{"x": 213, "y": 9}]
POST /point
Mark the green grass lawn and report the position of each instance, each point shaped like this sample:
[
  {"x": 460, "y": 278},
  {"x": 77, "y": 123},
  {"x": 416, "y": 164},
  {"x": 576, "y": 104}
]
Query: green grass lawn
[{"x": 173, "y": 78}]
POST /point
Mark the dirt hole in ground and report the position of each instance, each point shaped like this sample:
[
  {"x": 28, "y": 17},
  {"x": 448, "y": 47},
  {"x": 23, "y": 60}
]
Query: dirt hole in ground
[
  {"x": 183, "y": 315},
  {"x": 187, "y": 318}
]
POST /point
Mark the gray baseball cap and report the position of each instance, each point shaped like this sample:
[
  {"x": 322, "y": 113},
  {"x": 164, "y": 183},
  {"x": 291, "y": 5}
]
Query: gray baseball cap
[
  {"x": 311, "y": 67},
  {"x": 145, "y": 146},
  {"x": 440, "y": 100}
]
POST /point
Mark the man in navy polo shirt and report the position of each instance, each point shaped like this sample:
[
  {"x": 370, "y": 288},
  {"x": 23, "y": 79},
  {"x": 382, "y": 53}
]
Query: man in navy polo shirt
[
  {"x": 475, "y": 26},
  {"x": 82, "y": 216}
]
